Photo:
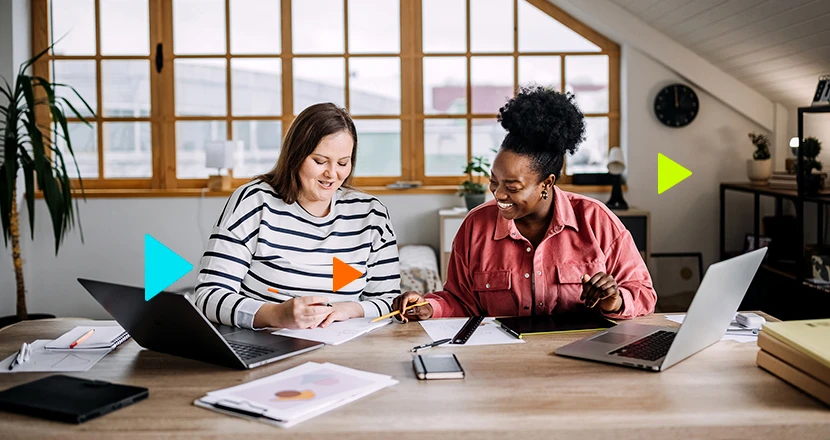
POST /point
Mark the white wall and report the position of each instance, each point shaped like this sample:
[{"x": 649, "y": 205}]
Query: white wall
[{"x": 714, "y": 147}]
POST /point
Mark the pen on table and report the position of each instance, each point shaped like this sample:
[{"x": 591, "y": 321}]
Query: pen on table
[
  {"x": 430, "y": 345},
  {"x": 396, "y": 312},
  {"x": 82, "y": 338},
  {"x": 22, "y": 356},
  {"x": 292, "y": 295}
]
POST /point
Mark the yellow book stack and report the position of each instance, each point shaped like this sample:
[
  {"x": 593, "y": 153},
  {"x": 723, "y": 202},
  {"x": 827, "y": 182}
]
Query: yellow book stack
[{"x": 798, "y": 352}]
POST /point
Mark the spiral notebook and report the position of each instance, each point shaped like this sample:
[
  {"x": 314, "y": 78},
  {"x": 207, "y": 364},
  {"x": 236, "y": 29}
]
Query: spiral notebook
[{"x": 105, "y": 337}]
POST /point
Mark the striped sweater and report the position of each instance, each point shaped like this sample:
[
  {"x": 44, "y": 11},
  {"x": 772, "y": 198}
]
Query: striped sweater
[{"x": 261, "y": 242}]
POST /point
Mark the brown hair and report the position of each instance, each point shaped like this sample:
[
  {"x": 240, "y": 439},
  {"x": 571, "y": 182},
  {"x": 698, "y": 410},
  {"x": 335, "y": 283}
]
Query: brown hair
[{"x": 305, "y": 133}]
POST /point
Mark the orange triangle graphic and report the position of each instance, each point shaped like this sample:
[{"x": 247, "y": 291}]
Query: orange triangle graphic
[{"x": 343, "y": 274}]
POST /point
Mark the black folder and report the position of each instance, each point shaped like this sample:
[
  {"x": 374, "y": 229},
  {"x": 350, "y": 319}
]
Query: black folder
[{"x": 69, "y": 399}]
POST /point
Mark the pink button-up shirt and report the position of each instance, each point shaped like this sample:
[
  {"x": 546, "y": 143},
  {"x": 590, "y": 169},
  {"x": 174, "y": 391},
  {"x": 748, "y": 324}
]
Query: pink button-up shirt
[{"x": 494, "y": 270}]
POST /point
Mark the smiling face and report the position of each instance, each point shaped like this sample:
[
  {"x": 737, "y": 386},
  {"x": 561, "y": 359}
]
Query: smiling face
[
  {"x": 325, "y": 169},
  {"x": 516, "y": 187}
]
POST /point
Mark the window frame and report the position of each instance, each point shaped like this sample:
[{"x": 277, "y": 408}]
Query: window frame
[{"x": 162, "y": 118}]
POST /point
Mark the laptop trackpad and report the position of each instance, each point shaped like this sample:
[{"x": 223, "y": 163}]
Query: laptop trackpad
[{"x": 614, "y": 338}]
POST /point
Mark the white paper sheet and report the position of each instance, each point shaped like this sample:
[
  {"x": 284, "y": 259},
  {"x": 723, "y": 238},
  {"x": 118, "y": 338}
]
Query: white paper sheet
[
  {"x": 336, "y": 333},
  {"x": 727, "y": 337},
  {"x": 488, "y": 333},
  {"x": 43, "y": 360}
]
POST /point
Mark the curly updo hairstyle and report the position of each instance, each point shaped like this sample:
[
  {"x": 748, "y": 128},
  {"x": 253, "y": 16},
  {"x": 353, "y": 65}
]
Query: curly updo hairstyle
[{"x": 544, "y": 125}]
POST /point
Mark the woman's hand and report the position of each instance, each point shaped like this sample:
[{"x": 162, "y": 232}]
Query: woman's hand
[
  {"x": 601, "y": 289},
  {"x": 342, "y": 311},
  {"x": 296, "y": 313},
  {"x": 419, "y": 313}
]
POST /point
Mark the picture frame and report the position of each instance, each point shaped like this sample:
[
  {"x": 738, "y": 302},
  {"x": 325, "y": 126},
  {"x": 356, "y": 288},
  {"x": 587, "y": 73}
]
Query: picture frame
[
  {"x": 749, "y": 242},
  {"x": 676, "y": 278},
  {"x": 822, "y": 95}
]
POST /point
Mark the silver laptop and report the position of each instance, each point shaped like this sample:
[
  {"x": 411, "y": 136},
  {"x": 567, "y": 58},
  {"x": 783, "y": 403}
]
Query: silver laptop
[
  {"x": 171, "y": 324},
  {"x": 657, "y": 348}
]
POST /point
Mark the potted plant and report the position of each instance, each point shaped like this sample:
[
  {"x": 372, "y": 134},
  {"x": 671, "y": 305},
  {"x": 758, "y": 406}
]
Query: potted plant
[
  {"x": 810, "y": 149},
  {"x": 759, "y": 168},
  {"x": 473, "y": 189},
  {"x": 28, "y": 146}
]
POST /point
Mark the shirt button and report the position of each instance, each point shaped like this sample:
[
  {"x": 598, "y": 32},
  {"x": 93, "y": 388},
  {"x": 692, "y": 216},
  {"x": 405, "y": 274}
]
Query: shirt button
[
  {"x": 541, "y": 305},
  {"x": 539, "y": 273},
  {"x": 527, "y": 307},
  {"x": 527, "y": 275},
  {"x": 487, "y": 286},
  {"x": 529, "y": 249}
]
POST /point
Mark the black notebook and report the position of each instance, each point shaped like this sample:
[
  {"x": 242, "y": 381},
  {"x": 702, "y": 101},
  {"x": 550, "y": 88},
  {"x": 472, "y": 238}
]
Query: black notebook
[
  {"x": 540, "y": 324},
  {"x": 69, "y": 399}
]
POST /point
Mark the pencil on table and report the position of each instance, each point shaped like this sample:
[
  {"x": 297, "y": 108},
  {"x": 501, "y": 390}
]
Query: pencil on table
[{"x": 396, "y": 312}]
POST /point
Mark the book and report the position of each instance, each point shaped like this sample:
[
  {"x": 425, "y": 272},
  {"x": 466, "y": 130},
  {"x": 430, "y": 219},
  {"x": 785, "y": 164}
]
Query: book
[
  {"x": 794, "y": 357},
  {"x": 808, "y": 336},
  {"x": 105, "y": 337},
  {"x": 295, "y": 395},
  {"x": 794, "y": 376}
]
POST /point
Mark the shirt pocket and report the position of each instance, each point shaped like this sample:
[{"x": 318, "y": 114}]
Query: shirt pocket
[
  {"x": 493, "y": 290},
  {"x": 569, "y": 282}
]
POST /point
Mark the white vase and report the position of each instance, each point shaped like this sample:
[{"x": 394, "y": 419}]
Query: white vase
[{"x": 759, "y": 171}]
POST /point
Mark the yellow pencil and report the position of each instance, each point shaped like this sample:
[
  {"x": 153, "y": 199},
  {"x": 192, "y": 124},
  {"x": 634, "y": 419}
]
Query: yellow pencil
[{"x": 397, "y": 312}]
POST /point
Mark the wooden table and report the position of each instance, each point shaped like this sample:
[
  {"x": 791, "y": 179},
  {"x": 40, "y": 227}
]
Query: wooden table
[{"x": 515, "y": 391}]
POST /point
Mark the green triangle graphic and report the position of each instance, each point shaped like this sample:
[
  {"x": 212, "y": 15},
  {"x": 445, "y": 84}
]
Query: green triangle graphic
[{"x": 669, "y": 173}]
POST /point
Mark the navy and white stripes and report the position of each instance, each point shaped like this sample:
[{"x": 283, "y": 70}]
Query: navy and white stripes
[{"x": 261, "y": 242}]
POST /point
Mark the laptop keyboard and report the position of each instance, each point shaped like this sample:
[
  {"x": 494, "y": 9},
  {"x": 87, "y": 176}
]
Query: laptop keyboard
[
  {"x": 246, "y": 351},
  {"x": 649, "y": 348}
]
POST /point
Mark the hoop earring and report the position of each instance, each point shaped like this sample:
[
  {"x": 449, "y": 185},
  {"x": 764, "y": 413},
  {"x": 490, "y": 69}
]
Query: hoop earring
[{"x": 545, "y": 194}]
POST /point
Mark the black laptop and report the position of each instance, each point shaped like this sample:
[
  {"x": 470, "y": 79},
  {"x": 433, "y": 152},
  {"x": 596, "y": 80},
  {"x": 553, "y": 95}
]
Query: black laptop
[{"x": 170, "y": 323}]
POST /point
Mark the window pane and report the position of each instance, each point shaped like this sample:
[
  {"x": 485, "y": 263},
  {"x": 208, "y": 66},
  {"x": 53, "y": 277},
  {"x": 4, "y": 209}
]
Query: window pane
[
  {"x": 73, "y": 24},
  {"x": 257, "y": 86},
  {"x": 592, "y": 155},
  {"x": 492, "y": 83},
  {"x": 543, "y": 71},
  {"x": 375, "y": 86},
  {"x": 199, "y": 26},
  {"x": 445, "y": 147},
  {"x": 81, "y": 76},
  {"x": 121, "y": 18},
  {"x": 126, "y": 88},
  {"x": 539, "y": 32},
  {"x": 190, "y": 146},
  {"x": 487, "y": 137},
  {"x": 85, "y": 145},
  {"x": 374, "y": 26},
  {"x": 255, "y": 26},
  {"x": 491, "y": 26},
  {"x": 378, "y": 147},
  {"x": 200, "y": 87},
  {"x": 319, "y": 80},
  {"x": 445, "y": 85},
  {"x": 317, "y": 26},
  {"x": 444, "y": 29},
  {"x": 127, "y": 149},
  {"x": 261, "y": 142},
  {"x": 587, "y": 78}
]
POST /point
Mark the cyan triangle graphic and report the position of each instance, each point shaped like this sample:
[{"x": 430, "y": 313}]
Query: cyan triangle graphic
[{"x": 162, "y": 267}]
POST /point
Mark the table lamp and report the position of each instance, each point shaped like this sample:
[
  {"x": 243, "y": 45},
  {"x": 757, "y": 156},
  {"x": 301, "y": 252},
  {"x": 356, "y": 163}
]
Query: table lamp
[
  {"x": 616, "y": 166},
  {"x": 789, "y": 163},
  {"x": 219, "y": 155}
]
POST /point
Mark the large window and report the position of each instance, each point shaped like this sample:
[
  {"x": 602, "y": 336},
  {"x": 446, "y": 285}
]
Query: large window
[{"x": 423, "y": 79}]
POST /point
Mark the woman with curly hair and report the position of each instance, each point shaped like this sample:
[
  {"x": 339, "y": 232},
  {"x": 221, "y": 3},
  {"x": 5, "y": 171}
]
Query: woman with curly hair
[{"x": 535, "y": 249}]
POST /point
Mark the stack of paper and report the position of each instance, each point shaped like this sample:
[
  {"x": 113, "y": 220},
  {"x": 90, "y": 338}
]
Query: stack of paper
[
  {"x": 295, "y": 395},
  {"x": 489, "y": 332},
  {"x": 104, "y": 337},
  {"x": 336, "y": 333},
  {"x": 43, "y": 360}
]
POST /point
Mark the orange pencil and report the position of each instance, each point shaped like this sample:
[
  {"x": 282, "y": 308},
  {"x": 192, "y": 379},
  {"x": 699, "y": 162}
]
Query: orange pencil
[
  {"x": 397, "y": 312},
  {"x": 82, "y": 338}
]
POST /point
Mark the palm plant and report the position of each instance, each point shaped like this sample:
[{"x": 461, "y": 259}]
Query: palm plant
[{"x": 30, "y": 147}]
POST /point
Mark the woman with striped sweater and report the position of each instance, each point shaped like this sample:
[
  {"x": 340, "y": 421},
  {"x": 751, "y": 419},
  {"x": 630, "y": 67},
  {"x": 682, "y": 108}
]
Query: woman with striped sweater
[{"x": 281, "y": 231}]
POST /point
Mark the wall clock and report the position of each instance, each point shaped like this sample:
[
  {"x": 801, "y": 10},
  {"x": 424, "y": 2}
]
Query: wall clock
[{"x": 676, "y": 105}]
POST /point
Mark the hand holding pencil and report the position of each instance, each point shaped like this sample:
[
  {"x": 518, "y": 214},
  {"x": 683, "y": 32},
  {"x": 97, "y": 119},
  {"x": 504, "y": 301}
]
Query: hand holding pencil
[
  {"x": 398, "y": 312},
  {"x": 411, "y": 305}
]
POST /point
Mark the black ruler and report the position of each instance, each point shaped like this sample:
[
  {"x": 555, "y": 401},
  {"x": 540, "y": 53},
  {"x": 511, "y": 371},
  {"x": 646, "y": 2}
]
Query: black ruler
[{"x": 467, "y": 330}]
